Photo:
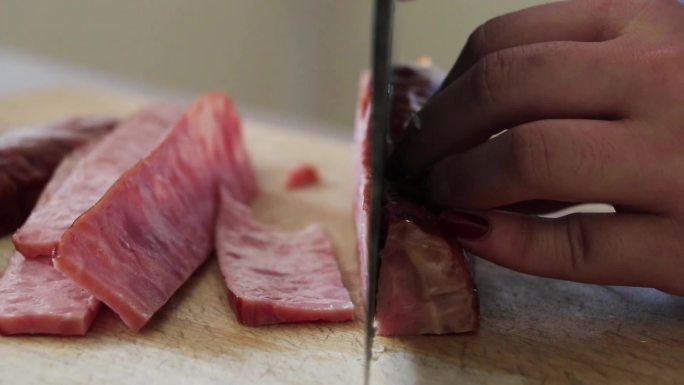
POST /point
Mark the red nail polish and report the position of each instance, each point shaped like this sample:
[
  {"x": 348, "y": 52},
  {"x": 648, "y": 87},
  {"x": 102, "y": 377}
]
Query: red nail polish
[{"x": 464, "y": 225}]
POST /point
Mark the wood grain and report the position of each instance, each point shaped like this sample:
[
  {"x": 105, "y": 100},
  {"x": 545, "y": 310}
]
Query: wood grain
[{"x": 534, "y": 330}]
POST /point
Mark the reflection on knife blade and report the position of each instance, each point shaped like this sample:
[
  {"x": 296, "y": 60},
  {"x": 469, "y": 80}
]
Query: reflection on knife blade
[{"x": 380, "y": 111}]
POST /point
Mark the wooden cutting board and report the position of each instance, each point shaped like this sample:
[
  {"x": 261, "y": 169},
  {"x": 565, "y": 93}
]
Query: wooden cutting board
[{"x": 534, "y": 330}]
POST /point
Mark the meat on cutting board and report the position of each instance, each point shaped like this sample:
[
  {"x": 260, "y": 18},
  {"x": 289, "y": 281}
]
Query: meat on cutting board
[
  {"x": 425, "y": 286},
  {"x": 34, "y": 297},
  {"x": 277, "y": 276},
  {"x": 37, "y": 299},
  {"x": 91, "y": 178},
  {"x": 303, "y": 175},
  {"x": 139, "y": 243},
  {"x": 28, "y": 157}
]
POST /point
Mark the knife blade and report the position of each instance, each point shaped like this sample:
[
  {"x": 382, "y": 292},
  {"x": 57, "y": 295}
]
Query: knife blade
[{"x": 380, "y": 119}]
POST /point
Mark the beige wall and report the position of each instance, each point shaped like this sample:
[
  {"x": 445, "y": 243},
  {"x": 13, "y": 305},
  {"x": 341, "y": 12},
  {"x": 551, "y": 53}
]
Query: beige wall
[{"x": 298, "y": 57}]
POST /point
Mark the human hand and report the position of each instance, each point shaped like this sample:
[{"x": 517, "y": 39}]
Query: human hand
[{"x": 591, "y": 95}]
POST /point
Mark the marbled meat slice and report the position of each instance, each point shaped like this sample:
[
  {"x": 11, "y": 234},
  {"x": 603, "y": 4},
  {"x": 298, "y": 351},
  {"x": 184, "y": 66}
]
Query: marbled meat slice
[
  {"x": 37, "y": 299},
  {"x": 276, "y": 276},
  {"x": 155, "y": 225},
  {"x": 34, "y": 297},
  {"x": 424, "y": 284},
  {"x": 29, "y": 155},
  {"x": 92, "y": 176}
]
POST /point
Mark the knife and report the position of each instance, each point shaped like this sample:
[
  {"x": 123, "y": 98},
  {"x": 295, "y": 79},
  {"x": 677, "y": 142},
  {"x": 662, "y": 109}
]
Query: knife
[{"x": 380, "y": 119}]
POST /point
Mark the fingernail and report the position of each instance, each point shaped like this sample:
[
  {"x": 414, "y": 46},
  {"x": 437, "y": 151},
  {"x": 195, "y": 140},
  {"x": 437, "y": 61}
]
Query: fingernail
[{"x": 464, "y": 225}]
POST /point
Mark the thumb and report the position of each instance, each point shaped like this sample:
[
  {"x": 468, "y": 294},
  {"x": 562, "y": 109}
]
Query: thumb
[{"x": 612, "y": 249}]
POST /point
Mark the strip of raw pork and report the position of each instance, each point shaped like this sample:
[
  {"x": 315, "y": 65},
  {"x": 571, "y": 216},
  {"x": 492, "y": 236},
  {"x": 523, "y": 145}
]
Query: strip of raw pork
[
  {"x": 425, "y": 286},
  {"x": 28, "y": 157},
  {"x": 139, "y": 243},
  {"x": 91, "y": 177},
  {"x": 37, "y": 299},
  {"x": 278, "y": 276}
]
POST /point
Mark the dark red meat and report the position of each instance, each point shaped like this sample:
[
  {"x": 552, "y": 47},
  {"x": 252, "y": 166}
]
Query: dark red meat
[
  {"x": 29, "y": 155},
  {"x": 302, "y": 176},
  {"x": 425, "y": 286},
  {"x": 277, "y": 276},
  {"x": 143, "y": 239}
]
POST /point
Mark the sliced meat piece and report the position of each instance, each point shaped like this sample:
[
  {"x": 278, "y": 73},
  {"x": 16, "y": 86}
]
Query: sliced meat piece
[
  {"x": 425, "y": 286},
  {"x": 29, "y": 155},
  {"x": 37, "y": 299},
  {"x": 91, "y": 178},
  {"x": 34, "y": 297},
  {"x": 277, "y": 276},
  {"x": 302, "y": 176},
  {"x": 154, "y": 226}
]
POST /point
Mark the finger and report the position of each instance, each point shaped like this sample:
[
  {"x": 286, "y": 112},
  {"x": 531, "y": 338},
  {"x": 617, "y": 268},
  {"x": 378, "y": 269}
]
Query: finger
[
  {"x": 512, "y": 87},
  {"x": 580, "y": 21},
  {"x": 558, "y": 160},
  {"x": 610, "y": 249}
]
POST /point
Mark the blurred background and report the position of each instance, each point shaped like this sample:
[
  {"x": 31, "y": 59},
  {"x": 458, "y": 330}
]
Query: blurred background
[{"x": 289, "y": 59}]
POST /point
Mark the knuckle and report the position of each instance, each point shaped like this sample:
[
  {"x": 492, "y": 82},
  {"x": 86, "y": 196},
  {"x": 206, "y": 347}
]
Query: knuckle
[
  {"x": 529, "y": 243},
  {"x": 585, "y": 153},
  {"x": 530, "y": 153},
  {"x": 664, "y": 65},
  {"x": 671, "y": 280},
  {"x": 574, "y": 243},
  {"x": 498, "y": 75},
  {"x": 489, "y": 75},
  {"x": 490, "y": 36}
]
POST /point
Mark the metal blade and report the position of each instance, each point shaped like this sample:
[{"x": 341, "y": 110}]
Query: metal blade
[{"x": 380, "y": 120}]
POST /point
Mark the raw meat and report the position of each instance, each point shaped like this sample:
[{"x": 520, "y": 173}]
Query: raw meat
[
  {"x": 425, "y": 286},
  {"x": 154, "y": 226},
  {"x": 362, "y": 180},
  {"x": 29, "y": 155},
  {"x": 91, "y": 178},
  {"x": 37, "y": 299},
  {"x": 302, "y": 176},
  {"x": 34, "y": 297},
  {"x": 277, "y": 276}
]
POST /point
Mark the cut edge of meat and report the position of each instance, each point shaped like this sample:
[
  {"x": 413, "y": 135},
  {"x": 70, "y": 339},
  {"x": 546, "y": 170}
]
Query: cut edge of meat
[
  {"x": 38, "y": 272},
  {"x": 236, "y": 224},
  {"x": 36, "y": 237},
  {"x": 29, "y": 156},
  {"x": 361, "y": 198},
  {"x": 58, "y": 177},
  {"x": 425, "y": 284},
  {"x": 24, "y": 308}
]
